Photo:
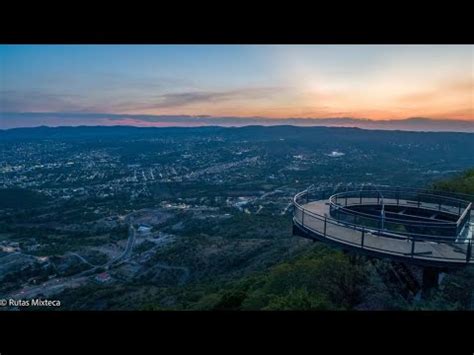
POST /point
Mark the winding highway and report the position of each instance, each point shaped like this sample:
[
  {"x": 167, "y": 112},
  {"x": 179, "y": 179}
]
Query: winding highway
[
  {"x": 124, "y": 256},
  {"x": 57, "y": 285}
]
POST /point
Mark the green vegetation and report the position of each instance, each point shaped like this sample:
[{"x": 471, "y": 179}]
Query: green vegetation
[
  {"x": 226, "y": 241},
  {"x": 463, "y": 183},
  {"x": 314, "y": 277},
  {"x": 320, "y": 279},
  {"x": 21, "y": 198},
  {"x": 457, "y": 289},
  {"x": 324, "y": 278}
]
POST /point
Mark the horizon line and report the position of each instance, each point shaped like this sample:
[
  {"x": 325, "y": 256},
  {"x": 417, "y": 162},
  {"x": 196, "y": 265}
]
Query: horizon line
[
  {"x": 233, "y": 127},
  {"x": 11, "y": 120},
  {"x": 206, "y": 116}
]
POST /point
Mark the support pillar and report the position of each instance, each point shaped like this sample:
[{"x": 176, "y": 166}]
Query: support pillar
[{"x": 430, "y": 281}]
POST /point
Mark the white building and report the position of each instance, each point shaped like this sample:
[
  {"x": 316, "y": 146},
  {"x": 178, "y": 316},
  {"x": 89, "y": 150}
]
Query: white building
[{"x": 144, "y": 229}]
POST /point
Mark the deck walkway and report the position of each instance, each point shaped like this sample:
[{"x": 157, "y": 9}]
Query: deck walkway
[{"x": 314, "y": 218}]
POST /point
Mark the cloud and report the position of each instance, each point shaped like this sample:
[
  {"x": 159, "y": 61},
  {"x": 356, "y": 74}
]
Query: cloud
[
  {"x": 181, "y": 99},
  {"x": 44, "y": 101},
  {"x": 38, "y": 100},
  {"x": 186, "y": 98},
  {"x": 123, "y": 83}
]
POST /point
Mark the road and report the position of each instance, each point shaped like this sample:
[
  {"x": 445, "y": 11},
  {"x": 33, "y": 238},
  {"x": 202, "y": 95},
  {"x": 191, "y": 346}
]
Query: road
[
  {"x": 128, "y": 249},
  {"x": 82, "y": 259},
  {"x": 48, "y": 288},
  {"x": 57, "y": 285},
  {"x": 125, "y": 254},
  {"x": 54, "y": 286}
]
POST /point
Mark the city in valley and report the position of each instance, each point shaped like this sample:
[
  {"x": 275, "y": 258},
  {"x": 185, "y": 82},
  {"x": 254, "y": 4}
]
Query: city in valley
[{"x": 130, "y": 218}]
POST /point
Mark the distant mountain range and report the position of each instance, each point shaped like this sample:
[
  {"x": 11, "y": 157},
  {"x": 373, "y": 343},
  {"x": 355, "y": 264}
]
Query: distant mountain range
[{"x": 34, "y": 119}]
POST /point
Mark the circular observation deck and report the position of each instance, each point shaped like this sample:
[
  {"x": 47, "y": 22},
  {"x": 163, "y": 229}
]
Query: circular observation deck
[{"x": 419, "y": 226}]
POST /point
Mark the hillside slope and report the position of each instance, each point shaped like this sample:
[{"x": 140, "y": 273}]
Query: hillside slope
[{"x": 322, "y": 278}]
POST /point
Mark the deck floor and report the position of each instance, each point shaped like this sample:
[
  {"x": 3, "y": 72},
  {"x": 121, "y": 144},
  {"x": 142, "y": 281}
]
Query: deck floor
[{"x": 401, "y": 247}]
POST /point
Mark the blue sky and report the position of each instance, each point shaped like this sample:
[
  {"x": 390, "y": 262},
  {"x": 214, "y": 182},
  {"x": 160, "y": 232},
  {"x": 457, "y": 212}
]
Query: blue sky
[{"x": 377, "y": 82}]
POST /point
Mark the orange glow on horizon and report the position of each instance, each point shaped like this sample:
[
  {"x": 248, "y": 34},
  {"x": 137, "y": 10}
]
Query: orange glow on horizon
[{"x": 391, "y": 100}]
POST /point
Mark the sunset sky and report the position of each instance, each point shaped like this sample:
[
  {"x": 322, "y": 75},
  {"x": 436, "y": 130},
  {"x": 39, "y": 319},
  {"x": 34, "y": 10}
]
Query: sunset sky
[{"x": 319, "y": 81}]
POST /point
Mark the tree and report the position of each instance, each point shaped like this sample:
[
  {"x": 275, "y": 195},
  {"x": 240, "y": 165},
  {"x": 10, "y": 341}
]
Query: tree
[
  {"x": 231, "y": 300},
  {"x": 299, "y": 299}
]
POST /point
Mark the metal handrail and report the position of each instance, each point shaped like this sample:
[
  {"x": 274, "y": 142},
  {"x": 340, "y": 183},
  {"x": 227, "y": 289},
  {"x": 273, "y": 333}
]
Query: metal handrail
[
  {"x": 467, "y": 260},
  {"x": 459, "y": 195},
  {"x": 466, "y": 211},
  {"x": 464, "y": 203},
  {"x": 399, "y": 195},
  {"x": 411, "y": 236},
  {"x": 438, "y": 224},
  {"x": 388, "y": 233},
  {"x": 363, "y": 230}
]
